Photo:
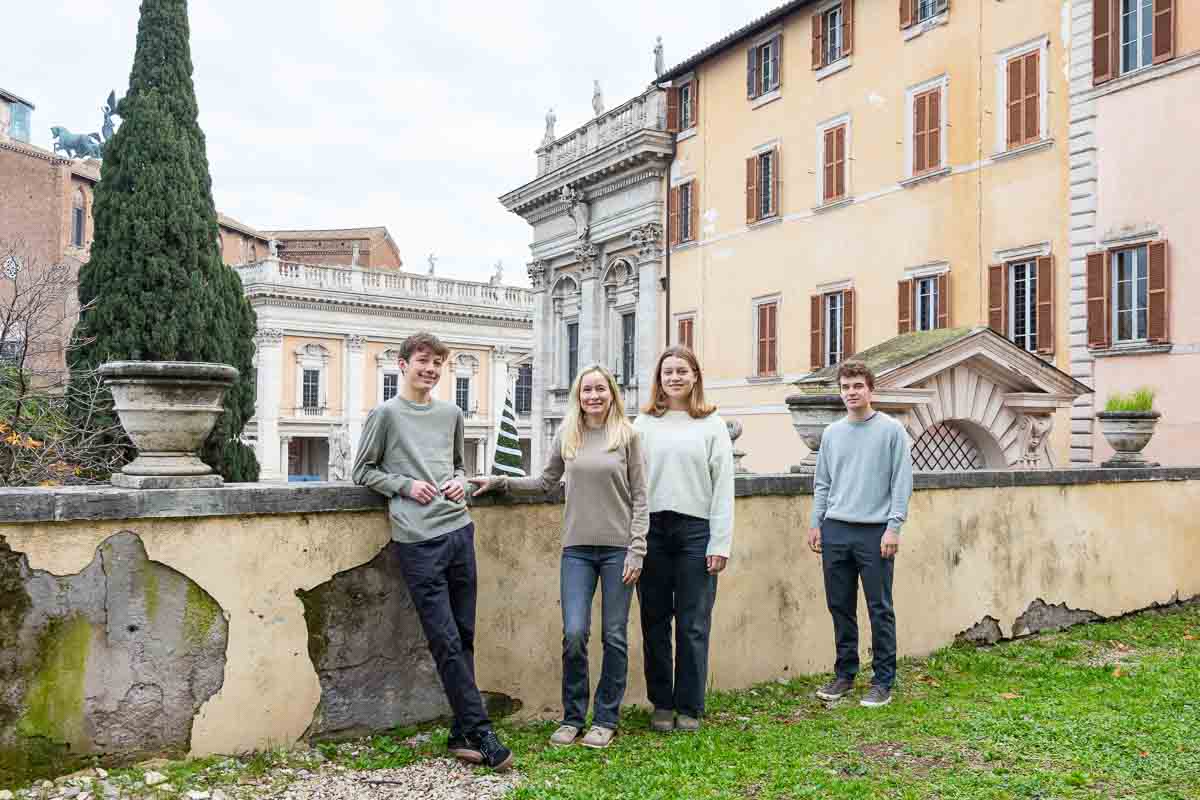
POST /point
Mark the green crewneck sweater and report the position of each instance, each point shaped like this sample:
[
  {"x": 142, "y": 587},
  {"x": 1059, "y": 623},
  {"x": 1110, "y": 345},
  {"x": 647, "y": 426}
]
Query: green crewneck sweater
[{"x": 404, "y": 442}]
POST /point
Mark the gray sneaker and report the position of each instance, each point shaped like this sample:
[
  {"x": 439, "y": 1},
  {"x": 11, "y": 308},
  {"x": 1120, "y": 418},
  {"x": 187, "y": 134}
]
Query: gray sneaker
[
  {"x": 687, "y": 724},
  {"x": 663, "y": 720},
  {"x": 877, "y": 696},
  {"x": 836, "y": 689}
]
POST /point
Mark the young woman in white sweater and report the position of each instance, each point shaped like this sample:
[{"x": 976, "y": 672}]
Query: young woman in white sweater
[{"x": 689, "y": 461}]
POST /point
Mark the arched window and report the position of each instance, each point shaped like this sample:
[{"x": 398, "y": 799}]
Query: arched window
[{"x": 78, "y": 218}]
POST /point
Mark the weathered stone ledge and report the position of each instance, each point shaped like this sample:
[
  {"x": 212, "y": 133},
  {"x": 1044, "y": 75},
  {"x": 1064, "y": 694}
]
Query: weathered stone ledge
[{"x": 61, "y": 504}]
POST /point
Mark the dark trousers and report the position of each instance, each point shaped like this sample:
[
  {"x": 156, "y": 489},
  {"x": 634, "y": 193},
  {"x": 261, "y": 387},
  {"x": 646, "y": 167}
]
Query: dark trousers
[
  {"x": 850, "y": 553},
  {"x": 582, "y": 567},
  {"x": 675, "y": 586},
  {"x": 440, "y": 574}
]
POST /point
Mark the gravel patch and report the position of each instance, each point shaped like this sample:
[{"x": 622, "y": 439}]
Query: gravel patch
[{"x": 437, "y": 779}]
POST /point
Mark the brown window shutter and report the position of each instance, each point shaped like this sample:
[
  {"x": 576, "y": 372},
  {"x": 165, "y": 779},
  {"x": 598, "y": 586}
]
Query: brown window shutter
[
  {"x": 1016, "y": 102},
  {"x": 1104, "y": 48},
  {"x": 829, "y": 159},
  {"x": 818, "y": 40},
  {"x": 933, "y": 134},
  {"x": 943, "y": 300},
  {"x": 1033, "y": 96},
  {"x": 847, "y": 323},
  {"x": 839, "y": 167},
  {"x": 1164, "y": 30},
  {"x": 751, "y": 189},
  {"x": 777, "y": 61},
  {"x": 997, "y": 289},
  {"x": 761, "y": 367},
  {"x": 847, "y": 27},
  {"x": 920, "y": 117},
  {"x": 1157, "y": 309},
  {"x": 770, "y": 339},
  {"x": 695, "y": 102},
  {"x": 816, "y": 339},
  {"x": 1045, "y": 304},
  {"x": 1099, "y": 330},
  {"x": 907, "y": 13},
  {"x": 694, "y": 209},
  {"x": 777, "y": 179},
  {"x": 673, "y": 215},
  {"x": 752, "y": 73},
  {"x": 904, "y": 315},
  {"x": 673, "y": 110}
]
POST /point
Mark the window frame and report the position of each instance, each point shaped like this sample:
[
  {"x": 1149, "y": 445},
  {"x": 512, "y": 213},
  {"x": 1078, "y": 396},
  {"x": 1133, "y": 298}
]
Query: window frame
[
  {"x": 571, "y": 352},
  {"x": 462, "y": 393},
  {"x": 833, "y": 348},
  {"x": 521, "y": 391},
  {"x": 1030, "y": 268},
  {"x": 687, "y": 119},
  {"x": 686, "y": 234},
  {"x": 936, "y": 9},
  {"x": 1141, "y": 275},
  {"x": 1041, "y": 46},
  {"x": 829, "y": 31},
  {"x": 315, "y": 385},
  {"x": 941, "y": 85},
  {"x": 628, "y": 348},
  {"x": 764, "y": 53},
  {"x": 768, "y": 205},
  {"x": 934, "y": 301},
  {"x": 394, "y": 375},
  {"x": 840, "y": 121},
  {"x": 775, "y": 301},
  {"x": 1144, "y": 39},
  {"x": 688, "y": 319}
]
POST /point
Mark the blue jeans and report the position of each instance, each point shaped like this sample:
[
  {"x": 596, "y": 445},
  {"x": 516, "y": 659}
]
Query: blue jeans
[
  {"x": 582, "y": 566},
  {"x": 675, "y": 586}
]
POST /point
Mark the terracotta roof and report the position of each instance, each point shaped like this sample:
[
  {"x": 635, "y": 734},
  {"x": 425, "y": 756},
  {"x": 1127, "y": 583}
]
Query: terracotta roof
[
  {"x": 7, "y": 95},
  {"x": 729, "y": 40},
  {"x": 332, "y": 233},
  {"x": 231, "y": 223}
]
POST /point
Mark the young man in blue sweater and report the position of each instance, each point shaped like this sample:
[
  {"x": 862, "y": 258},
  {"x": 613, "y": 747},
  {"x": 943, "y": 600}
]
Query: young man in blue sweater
[{"x": 860, "y": 499}]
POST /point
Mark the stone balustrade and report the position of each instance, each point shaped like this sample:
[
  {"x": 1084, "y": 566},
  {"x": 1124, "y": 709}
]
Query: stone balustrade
[
  {"x": 384, "y": 283},
  {"x": 647, "y": 111}
]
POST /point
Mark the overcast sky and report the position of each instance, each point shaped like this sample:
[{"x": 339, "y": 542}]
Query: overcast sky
[{"x": 406, "y": 113}]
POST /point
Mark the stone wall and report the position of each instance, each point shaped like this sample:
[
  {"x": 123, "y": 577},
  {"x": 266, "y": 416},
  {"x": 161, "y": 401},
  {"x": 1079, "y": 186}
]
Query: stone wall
[{"x": 251, "y": 616}]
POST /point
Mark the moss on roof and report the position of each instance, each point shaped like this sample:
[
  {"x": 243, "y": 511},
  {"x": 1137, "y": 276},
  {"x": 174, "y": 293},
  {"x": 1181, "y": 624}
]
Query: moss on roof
[{"x": 895, "y": 352}]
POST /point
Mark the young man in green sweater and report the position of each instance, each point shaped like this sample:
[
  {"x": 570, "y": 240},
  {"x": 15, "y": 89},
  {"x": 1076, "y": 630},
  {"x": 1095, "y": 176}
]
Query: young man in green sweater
[
  {"x": 411, "y": 452},
  {"x": 860, "y": 499}
]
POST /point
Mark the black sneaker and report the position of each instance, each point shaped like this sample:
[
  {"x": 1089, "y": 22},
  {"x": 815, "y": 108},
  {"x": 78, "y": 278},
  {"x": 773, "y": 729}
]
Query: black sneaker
[
  {"x": 495, "y": 755},
  {"x": 876, "y": 697},
  {"x": 462, "y": 749},
  {"x": 836, "y": 689}
]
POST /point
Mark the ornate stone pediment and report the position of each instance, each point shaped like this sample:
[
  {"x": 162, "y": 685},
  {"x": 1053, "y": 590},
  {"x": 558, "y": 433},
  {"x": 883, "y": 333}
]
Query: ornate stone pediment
[{"x": 970, "y": 398}]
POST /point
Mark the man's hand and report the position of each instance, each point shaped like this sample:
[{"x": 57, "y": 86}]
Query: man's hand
[
  {"x": 453, "y": 490},
  {"x": 486, "y": 483},
  {"x": 422, "y": 492},
  {"x": 814, "y": 539},
  {"x": 890, "y": 544},
  {"x": 715, "y": 564}
]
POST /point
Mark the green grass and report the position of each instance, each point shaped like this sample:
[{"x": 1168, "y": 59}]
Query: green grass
[{"x": 1137, "y": 400}]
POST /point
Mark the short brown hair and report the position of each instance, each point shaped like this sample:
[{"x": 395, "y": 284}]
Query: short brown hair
[
  {"x": 854, "y": 369},
  {"x": 697, "y": 407},
  {"x": 423, "y": 341}
]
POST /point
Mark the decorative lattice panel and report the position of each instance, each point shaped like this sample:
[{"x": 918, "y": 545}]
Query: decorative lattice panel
[{"x": 945, "y": 448}]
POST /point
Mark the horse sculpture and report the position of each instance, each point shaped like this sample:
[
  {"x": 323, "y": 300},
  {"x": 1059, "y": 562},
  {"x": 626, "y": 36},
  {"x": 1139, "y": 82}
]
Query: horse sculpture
[{"x": 76, "y": 145}]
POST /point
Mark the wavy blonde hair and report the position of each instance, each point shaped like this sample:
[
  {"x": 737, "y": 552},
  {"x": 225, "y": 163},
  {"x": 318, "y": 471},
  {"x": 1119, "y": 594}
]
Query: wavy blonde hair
[
  {"x": 616, "y": 426},
  {"x": 698, "y": 407}
]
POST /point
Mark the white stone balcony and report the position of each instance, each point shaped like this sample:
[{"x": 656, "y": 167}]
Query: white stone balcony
[
  {"x": 384, "y": 283},
  {"x": 647, "y": 111}
]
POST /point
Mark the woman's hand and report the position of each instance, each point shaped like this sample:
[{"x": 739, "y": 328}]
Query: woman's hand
[
  {"x": 715, "y": 563},
  {"x": 631, "y": 574},
  {"x": 486, "y": 483}
]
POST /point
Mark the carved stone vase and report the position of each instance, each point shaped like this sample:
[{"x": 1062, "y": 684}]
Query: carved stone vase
[
  {"x": 168, "y": 408},
  {"x": 811, "y": 415},
  {"x": 1128, "y": 433}
]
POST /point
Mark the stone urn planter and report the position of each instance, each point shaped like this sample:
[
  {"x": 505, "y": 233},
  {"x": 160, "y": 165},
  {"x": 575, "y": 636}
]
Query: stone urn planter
[
  {"x": 168, "y": 409},
  {"x": 811, "y": 415},
  {"x": 1128, "y": 433}
]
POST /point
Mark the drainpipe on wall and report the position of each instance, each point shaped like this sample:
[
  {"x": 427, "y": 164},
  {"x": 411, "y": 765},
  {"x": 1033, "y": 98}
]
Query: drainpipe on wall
[{"x": 667, "y": 243}]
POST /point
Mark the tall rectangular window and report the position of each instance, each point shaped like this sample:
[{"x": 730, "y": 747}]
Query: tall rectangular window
[
  {"x": 927, "y": 9},
  {"x": 927, "y": 131},
  {"x": 462, "y": 394},
  {"x": 524, "y": 398},
  {"x": 1130, "y": 272},
  {"x": 1024, "y": 80},
  {"x": 834, "y": 316},
  {"x": 831, "y": 35},
  {"x": 687, "y": 96},
  {"x": 311, "y": 390},
  {"x": 391, "y": 385},
  {"x": 686, "y": 234},
  {"x": 766, "y": 185},
  {"x": 628, "y": 348},
  {"x": 767, "y": 339},
  {"x": 1022, "y": 279},
  {"x": 1137, "y": 34},
  {"x": 77, "y": 225},
  {"x": 685, "y": 335},
  {"x": 572, "y": 351},
  {"x": 833, "y": 184},
  {"x": 926, "y": 290},
  {"x": 762, "y": 68}
]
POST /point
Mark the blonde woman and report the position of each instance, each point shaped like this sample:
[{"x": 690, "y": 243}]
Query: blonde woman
[
  {"x": 689, "y": 460},
  {"x": 604, "y": 539}
]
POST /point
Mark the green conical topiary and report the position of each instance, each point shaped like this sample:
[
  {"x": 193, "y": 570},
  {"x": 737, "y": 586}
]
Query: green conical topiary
[{"x": 159, "y": 288}]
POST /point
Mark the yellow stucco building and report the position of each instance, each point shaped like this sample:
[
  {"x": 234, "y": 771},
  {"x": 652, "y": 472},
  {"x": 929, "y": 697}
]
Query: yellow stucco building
[{"x": 845, "y": 171}]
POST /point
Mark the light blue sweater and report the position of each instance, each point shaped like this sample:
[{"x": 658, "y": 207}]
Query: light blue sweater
[{"x": 864, "y": 473}]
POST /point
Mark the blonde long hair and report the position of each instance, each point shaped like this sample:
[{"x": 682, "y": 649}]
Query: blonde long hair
[
  {"x": 698, "y": 407},
  {"x": 616, "y": 426}
]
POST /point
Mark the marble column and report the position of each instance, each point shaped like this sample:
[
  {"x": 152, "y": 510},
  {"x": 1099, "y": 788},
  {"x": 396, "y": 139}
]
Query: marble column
[
  {"x": 542, "y": 355},
  {"x": 284, "y": 442},
  {"x": 648, "y": 239},
  {"x": 352, "y": 406},
  {"x": 589, "y": 307},
  {"x": 269, "y": 342}
]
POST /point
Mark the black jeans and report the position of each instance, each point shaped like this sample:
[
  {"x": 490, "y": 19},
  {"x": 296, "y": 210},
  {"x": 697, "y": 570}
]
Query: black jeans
[
  {"x": 440, "y": 574},
  {"x": 675, "y": 585},
  {"x": 582, "y": 567},
  {"x": 850, "y": 552}
]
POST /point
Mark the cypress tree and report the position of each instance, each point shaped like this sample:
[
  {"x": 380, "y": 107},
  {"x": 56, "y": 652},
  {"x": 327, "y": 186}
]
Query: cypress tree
[{"x": 159, "y": 288}]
